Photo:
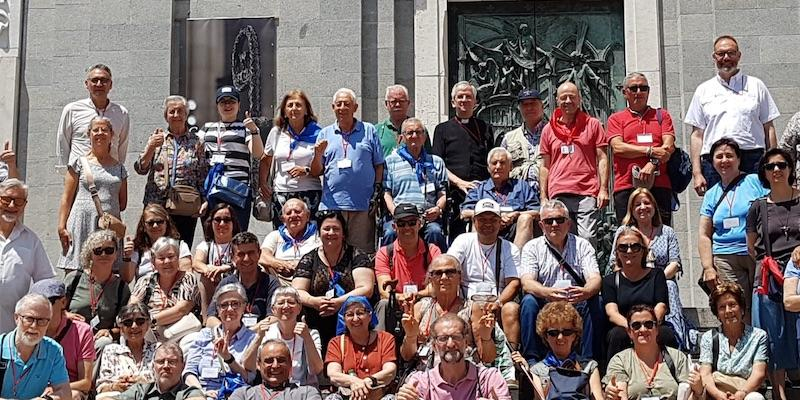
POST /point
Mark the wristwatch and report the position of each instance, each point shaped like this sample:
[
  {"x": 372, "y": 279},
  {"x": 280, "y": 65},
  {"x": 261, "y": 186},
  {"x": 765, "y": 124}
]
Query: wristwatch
[
  {"x": 373, "y": 382},
  {"x": 655, "y": 161},
  {"x": 307, "y": 170},
  {"x": 229, "y": 360},
  {"x": 47, "y": 397}
]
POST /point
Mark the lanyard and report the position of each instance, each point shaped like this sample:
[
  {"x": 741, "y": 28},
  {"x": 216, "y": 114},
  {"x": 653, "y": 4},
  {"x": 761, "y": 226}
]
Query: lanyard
[
  {"x": 655, "y": 371},
  {"x": 93, "y": 301},
  {"x": 268, "y": 396},
  {"x": 730, "y": 202},
  {"x": 345, "y": 142},
  {"x": 219, "y": 135},
  {"x": 16, "y": 380},
  {"x": 221, "y": 253},
  {"x": 486, "y": 261}
]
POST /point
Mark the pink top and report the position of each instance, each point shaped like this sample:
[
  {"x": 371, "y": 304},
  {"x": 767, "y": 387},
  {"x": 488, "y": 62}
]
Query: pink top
[
  {"x": 408, "y": 269},
  {"x": 575, "y": 172},
  {"x": 78, "y": 344},
  {"x": 479, "y": 383}
]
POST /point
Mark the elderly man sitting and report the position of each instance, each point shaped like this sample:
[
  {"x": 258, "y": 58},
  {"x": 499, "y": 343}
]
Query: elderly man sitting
[
  {"x": 519, "y": 203},
  {"x": 167, "y": 367}
]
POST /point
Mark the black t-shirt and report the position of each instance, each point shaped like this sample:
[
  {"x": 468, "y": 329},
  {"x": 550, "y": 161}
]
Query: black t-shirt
[
  {"x": 312, "y": 267},
  {"x": 464, "y": 147},
  {"x": 782, "y": 214},
  {"x": 259, "y": 296},
  {"x": 650, "y": 290}
]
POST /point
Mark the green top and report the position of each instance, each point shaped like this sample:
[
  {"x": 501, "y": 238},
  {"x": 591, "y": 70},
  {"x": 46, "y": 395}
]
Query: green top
[
  {"x": 625, "y": 365},
  {"x": 112, "y": 296},
  {"x": 388, "y": 135},
  {"x": 145, "y": 391}
]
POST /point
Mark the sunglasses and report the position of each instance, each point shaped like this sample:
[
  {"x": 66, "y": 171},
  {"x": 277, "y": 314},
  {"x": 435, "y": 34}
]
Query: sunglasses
[
  {"x": 556, "y": 220},
  {"x": 129, "y": 322},
  {"x": 780, "y": 164},
  {"x": 636, "y": 325},
  {"x": 632, "y": 247},
  {"x": 639, "y": 88},
  {"x": 553, "y": 333},
  {"x": 405, "y": 223},
  {"x": 104, "y": 250},
  {"x": 154, "y": 222},
  {"x": 220, "y": 220},
  {"x": 449, "y": 272}
]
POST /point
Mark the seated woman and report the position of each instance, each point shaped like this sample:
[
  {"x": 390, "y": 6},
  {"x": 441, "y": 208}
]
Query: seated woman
[
  {"x": 130, "y": 361},
  {"x": 153, "y": 224},
  {"x": 170, "y": 293},
  {"x": 485, "y": 341},
  {"x": 303, "y": 342},
  {"x": 212, "y": 257},
  {"x": 360, "y": 361},
  {"x": 633, "y": 283},
  {"x": 283, "y": 248},
  {"x": 560, "y": 327},
  {"x": 327, "y": 277},
  {"x": 664, "y": 254},
  {"x": 225, "y": 343},
  {"x": 95, "y": 293},
  {"x": 734, "y": 359},
  {"x": 649, "y": 370}
]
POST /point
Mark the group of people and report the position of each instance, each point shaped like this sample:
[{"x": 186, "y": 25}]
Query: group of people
[{"x": 402, "y": 266}]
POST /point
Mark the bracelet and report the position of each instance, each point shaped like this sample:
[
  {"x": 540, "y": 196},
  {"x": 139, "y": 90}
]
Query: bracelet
[
  {"x": 229, "y": 360},
  {"x": 126, "y": 259},
  {"x": 649, "y": 151}
]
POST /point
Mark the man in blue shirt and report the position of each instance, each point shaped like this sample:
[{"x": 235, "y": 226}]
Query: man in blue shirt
[
  {"x": 519, "y": 202},
  {"x": 416, "y": 177},
  {"x": 351, "y": 163},
  {"x": 33, "y": 362}
]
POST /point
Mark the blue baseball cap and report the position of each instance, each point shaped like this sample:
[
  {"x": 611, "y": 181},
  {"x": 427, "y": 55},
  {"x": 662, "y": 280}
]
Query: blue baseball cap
[
  {"x": 527, "y": 94},
  {"x": 227, "y": 91}
]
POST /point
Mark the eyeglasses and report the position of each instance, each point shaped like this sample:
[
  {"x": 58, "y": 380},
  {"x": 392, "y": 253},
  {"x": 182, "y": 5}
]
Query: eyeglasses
[
  {"x": 360, "y": 314},
  {"x": 104, "y": 250},
  {"x": 18, "y": 201},
  {"x": 275, "y": 360},
  {"x": 28, "y": 320},
  {"x": 101, "y": 81},
  {"x": 403, "y": 223},
  {"x": 129, "y": 322},
  {"x": 638, "y": 88},
  {"x": 396, "y": 101},
  {"x": 636, "y": 325},
  {"x": 553, "y": 333},
  {"x": 443, "y": 339},
  {"x": 154, "y": 222},
  {"x": 166, "y": 361},
  {"x": 232, "y": 305},
  {"x": 632, "y": 247},
  {"x": 556, "y": 220},
  {"x": 438, "y": 273},
  {"x": 220, "y": 220},
  {"x": 418, "y": 132},
  {"x": 729, "y": 53},
  {"x": 781, "y": 165}
]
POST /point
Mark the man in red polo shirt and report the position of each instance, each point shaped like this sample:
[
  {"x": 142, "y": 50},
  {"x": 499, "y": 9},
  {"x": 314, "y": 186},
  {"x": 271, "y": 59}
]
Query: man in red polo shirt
[
  {"x": 409, "y": 259},
  {"x": 574, "y": 162},
  {"x": 642, "y": 139}
]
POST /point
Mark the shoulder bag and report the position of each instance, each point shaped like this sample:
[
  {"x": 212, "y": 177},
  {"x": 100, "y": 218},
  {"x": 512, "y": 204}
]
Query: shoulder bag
[
  {"x": 105, "y": 220},
  {"x": 182, "y": 200},
  {"x": 771, "y": 280}
]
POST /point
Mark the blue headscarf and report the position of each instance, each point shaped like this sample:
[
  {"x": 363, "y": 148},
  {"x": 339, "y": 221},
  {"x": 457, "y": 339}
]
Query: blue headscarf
[
  {"x": 308, "y": 134},
  {"x": 421, "y": 166},
  {"x": 554, "y": 362},
  {"x": 340, "y": 326},
  {"x": 289, "y": 241}
]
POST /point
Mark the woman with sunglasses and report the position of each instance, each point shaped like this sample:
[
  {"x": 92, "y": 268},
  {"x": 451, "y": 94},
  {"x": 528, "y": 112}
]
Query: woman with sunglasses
[
  {"x": 734, "y": 358},
  {"x": 225, "y": 343},
  {"x": 663, "y": 252},
  {"x": 326, "y": 277},
  {"x": 360, "y": 361},
  {"x": 153, "y": 224},
  {"x": 630, "y": 284},
  {"x": 130, "y": 361},
  {"x": 560, "y": 327},
  {"x": 782, "y": 234},
  {"x": 95, "y": 292},
  {"x": 722, "y": 241},
  {"x": 649, "y": 369},
  {"x": 212, "y": 257}
]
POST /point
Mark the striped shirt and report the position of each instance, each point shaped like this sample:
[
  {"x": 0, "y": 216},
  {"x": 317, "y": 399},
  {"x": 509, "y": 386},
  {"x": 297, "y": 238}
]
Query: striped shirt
[
  {"x": 229, "y": 140},
  {"x": 400, "y": 180},
  {"x": 185, "y": 288}
]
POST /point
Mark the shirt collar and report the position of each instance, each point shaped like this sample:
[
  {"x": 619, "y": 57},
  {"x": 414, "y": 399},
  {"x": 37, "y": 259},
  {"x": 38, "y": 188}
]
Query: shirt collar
[
  {"x": 737, "y": 82},
  {"x": 9, "y": 343},
  {"x": 437, "y": 380},
  {"x": 420, "y": 248},
  {"x": 538, "y": 128},
  {"x": 356, "y": 126},
  {"x": 508, "y": 185},
  {"x": 19, "y": 227}
]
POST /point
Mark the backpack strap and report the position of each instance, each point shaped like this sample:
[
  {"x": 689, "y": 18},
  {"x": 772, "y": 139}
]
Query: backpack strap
[
  {"x": 425, "y": 256},
  {"x": 3, "y": 364},
  {"x": 714, "y": 350},
  {"x": 498, "y": 263},
  {"x": 765, "y": 227},
  {"x": 563, "y": 263},
  {"x": 670, "y": 363},
  {"x": 659, "y": 116},
  {"x": 73, "y": 286},
  {"x": 390, "y": 255},
  {"x": 725, "y": 191},
  {"x": 120, "y": 285},
  {"x": 64, "y": 331}
]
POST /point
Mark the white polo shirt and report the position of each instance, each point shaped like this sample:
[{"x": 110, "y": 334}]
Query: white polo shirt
[
  {"x": 540, "y": 263},
  {"x": 478, "y": 262},
  {"x": 737, "y": 110}
]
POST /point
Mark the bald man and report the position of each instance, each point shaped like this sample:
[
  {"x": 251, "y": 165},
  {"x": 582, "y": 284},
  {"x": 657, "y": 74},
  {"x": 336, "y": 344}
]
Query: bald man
[{"x": 574, "y": 162}]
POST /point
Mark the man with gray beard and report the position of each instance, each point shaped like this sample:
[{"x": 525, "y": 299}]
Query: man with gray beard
[
  {"x": 453, "y": 377},
  {"x": 33, "y": 364},
  {"x": 22, "y": 255}
]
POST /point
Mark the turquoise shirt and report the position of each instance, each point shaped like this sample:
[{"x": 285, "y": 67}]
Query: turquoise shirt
[
  {"x": 732, "y": 240},
  {"x": 46, "y": 367}
]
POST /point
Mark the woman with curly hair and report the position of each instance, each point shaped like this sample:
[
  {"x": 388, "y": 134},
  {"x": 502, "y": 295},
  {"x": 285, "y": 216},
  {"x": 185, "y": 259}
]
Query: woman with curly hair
[{"x": 153, "y": 224}]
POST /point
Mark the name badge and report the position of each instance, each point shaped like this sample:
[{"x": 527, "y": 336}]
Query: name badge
[
  {"x": 249, "y": 320},
  {"x": 218, "y": 159},
  {"x": 95, "y": 321},
  {"x": 506, "y": 209},
  {"x": 644, "y": 138},
  {"x": 346, "y": 163},
  {"x": 424, "y": 351},
  {"x": 330, "y": 293},
  {"x": 730, "y": 223},
  {"x": 651, "y": 398},
  {"x": 567, "y": 148},
  {"x": 430, "y": 187},
  {"x": 562, "y": 283},
  {"x": 209, "y": 372},
  {"x": 410, "y": 288},
  {"x": 287, "y": 165}
]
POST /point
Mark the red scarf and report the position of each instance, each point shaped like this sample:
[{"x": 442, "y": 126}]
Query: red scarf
[{"x": 562, "y": 132}]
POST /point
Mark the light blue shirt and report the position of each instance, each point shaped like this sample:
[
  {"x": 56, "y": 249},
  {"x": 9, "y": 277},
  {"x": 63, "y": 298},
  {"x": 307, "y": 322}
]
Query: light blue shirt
[
  {"x": 400, "y": 180},
  {"x": 751, "y": 348},
  {"x": 792, "y": 271},
  {"x": 732, "y": 240},
  {"x": 350, "y": 188},
  {"x": 202, "y": 355},
  {"x": 46, "y": 367}
]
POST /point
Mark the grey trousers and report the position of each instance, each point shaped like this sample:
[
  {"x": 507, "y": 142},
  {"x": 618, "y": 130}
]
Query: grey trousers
[{"x": 585, "y": 215}]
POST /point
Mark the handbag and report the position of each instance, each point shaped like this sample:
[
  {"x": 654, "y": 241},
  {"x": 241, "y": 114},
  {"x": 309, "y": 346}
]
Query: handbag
[
  {"x": 229, "y": 190},
  {"x": 175, "y": 331},
  {"x": 771, "y": 280},
  {"x": 184, "y": 200},
  {"x": 105, "y": 220}
]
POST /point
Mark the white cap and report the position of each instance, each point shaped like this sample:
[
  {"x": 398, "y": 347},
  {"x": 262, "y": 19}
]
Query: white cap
[{"x": 487, "y": 205}]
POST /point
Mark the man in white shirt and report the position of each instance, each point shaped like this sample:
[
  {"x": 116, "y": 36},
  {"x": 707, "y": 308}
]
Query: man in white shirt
[
  {"x": 72, "y": 139},
  {"x": 489, "y": 264},
  {"x": 22, "y": 255},
  {"x": 559, "y": 266},
  {"x": 733, "y": 105}
]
